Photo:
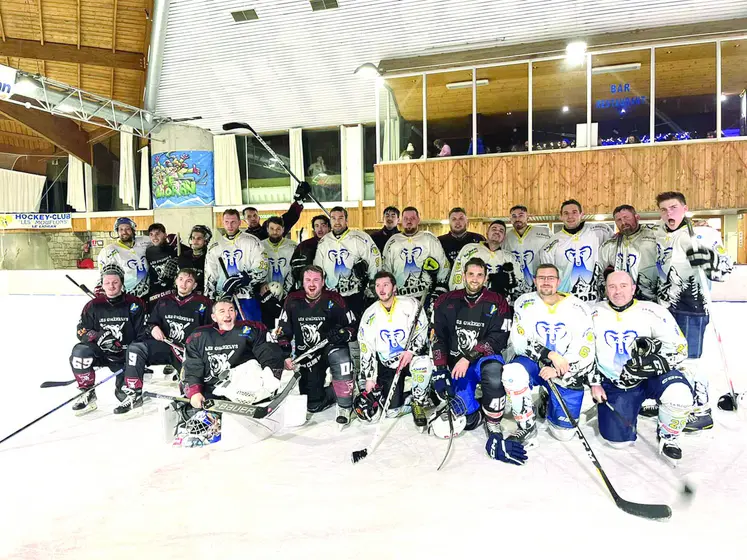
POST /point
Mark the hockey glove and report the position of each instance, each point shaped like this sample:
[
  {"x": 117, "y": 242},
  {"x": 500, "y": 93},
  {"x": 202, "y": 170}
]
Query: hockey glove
[
  {"x": 442, "y": 383},
  {"x": 700, "y": 257},
  {"x": 339, "y": 337},
  {"x": 503, "y": 281},
  {"x": 508, "y": 451},
  {"x": 303, "y": 190},
  {"x": 236, "y": 283},
  {"x": 360, "y": 271},
  {"x": 645, "y": 361}
]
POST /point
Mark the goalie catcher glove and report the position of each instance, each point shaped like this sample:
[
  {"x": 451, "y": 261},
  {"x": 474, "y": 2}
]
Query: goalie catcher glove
[
  {"x": 236, "y": 282},
  {"x": 508, "y": 451},
  {"x": 367, "y": 405},
  {"x": 701, "y": 256},
  {"x": 303, "y": 190},
  {"x": 442, "y": 383}
]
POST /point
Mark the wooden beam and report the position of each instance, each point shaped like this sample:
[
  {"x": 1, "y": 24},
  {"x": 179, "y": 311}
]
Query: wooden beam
[
  {"x": 146, "y": 45},
  {"x": 41, "y": 23},
  {"x": 78, "y": 24},
  {"x": 23, "y": 136},
  {"x": 114, "y": 28},
  {"x": 60, "y": 52},
  {"x": 2, "y": 27},
  {"x": 11, "y": 149},
  {"x": 59, "y": 131}
]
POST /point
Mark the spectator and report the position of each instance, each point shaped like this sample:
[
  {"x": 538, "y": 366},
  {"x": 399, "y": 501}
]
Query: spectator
[
  {"x": 317, "y": 167},
  {"x": 444, "y": 149},
  {"x": 632, "y": 139},
  {"x": 407, "y": 153}
]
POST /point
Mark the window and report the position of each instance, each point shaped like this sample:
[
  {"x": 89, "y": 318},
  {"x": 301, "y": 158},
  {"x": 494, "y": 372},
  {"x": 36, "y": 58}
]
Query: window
[
  {"x": 54, "y": 193},
  {"x": 558, "y": 104},
  {"x": 106, "y": 158},
  {"x": 321, "y": 156},
  {"x": 685, "y": 92},
  {"x": 401, "y": 118},
  {"x": 733, "y": 84},
  {"x": 502, "y": 108},
  {"x": 449, "y": 113},
  {"x": 369, "y": 159},
  {"x": 263, "y": 179}
]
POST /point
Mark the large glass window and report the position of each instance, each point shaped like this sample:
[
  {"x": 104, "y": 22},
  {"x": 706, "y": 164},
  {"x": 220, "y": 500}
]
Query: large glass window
[
  {"x": 685, "y": 92},
  {"x": 322, "y": 158},
  {"x": 620, "y": 103},
  {"x": 449, "y": 112},
  {"x": 734, "y": 88},
  {"x": 502, "y": 108},
  {"x": 369, "y": 159},
  {"x": 558, "y": 104},
  {"x": 263, "y": 179},
  {"x": 54, "y": 194},
  {"x": 401, "y": 118}
]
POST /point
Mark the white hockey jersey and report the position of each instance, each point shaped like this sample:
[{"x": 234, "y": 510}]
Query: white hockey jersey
[
  {"x": 577, "y": 257},
  {"x": 525, "y": 249},
  {"x": 678, "y": 287},
  {"x": 636, "y": 255},
  {"x": 279, "y": 262},
  {"x": 383, "y": 334},
  {"x": 243, "y": 253},
  {"x": 132, "y": 262},
  {"x": 494, "y": 260},
  {"x": 338, "y": 255},
  {"x": 404, "y": 256},
  {"x": 615, "y": 333},
  {"x": 565, "y": 328}
]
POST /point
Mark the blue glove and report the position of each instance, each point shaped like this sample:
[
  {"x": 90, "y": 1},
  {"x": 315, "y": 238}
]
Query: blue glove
[
  {"x": 442, "y": 383},
  {"x": 236, "y": 282},
  {"x": 508, "y": 451}
]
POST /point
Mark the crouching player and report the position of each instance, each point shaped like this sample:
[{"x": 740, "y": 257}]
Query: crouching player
[{"x": 639, "y": 346}]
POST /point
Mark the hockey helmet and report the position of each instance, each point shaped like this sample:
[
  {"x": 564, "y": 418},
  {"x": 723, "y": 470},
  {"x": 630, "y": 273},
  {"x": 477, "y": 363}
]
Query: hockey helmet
[
  {"x": 440, "y": 426},
  {"x": 204, "y": 230},
  {"x": 367, "y": 405},
  {"x": 124, "y": 222},
  {"x": 112, "y": 268}
]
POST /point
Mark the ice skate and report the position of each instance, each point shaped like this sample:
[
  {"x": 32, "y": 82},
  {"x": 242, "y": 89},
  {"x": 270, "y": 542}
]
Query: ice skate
[{"x": 85, "y": 403}]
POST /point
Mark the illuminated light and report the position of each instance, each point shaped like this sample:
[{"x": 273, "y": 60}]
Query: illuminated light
[
  {"x": 466, "y": 84},
  {"x": 368, "y": 70},
  {"x": 599, "y": 217},
  {"x": 565, "y": 108},
  {"x": 575, "y": 53},
  {"x": 724, "y": 97}
]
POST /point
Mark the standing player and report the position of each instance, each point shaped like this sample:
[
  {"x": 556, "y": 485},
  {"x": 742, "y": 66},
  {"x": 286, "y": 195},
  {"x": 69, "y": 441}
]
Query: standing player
[
  {"x": 632, "y": 249},
  {"x": 128, "y": 253},
  {"x": 458, "y": 235},
  {"x": 162, "y": 263},
  {"x": 574, "y": 251},
  {"x": 309, "y": 316},
  {"x": 638, "y": 347},
  {"x": 174, "y": 318},
  {"x": 279, "y": 281},
  {"x": 500, "y": 263},
  {"x": 391, "y": 221},
  {"x": 107, "y": 325},
  {"x": 552, "y": 337},
  {"x": 305, "y": 252},
  {"x": 246, "y": 263},
  {"x": 680, "y": 291},
  {"x": 384, "y": 329},
  {"x": 290, "y": 218},
  {"x": 193, "y": 257},
  {"x": 525, "y": 242},
  {"x": 471, "y": 330},
  {"x": 405, "y": 253}
]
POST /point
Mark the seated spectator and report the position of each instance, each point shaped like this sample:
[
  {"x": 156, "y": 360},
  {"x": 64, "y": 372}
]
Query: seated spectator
[{"x": 444, "y": 149}]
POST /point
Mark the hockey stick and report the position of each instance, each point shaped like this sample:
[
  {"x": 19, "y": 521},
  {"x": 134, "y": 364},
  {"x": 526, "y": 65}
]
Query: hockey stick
[
  {"x": 233, "y": 297},
  {"x": 82, "y": 287},
  {"x": 451, "y": 432},
  {"x": 19, "y": 430},
  {"x": 708, "y": 305},
  {"x": 430, "y": 264},
  {"x": 649, "y": 511},
  {"x": 235, "y": 125}
]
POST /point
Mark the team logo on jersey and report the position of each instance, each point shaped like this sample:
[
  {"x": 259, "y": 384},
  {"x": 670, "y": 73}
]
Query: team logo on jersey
[
  {"x": 492, "y": 310},
  {"x": 620, "y": 341},
  {"x": 134, "y": 307},
  {"x": 395, "y": 339},
  {"x": 246, "y": 331},
  {"x": 114, "y": 329},
  {"x": 176, "y": 329},
  {"x": 626, "y": 264},
  {"x": 276, "y": 268},
  {"x": 578, "y": 257},
  {"x": 219, "y": 363},
  {"x": 330, "y": 305},
  {"x": 662, "y": 256},
  {"x": 410, "y": 256},
  {"x": 525, "y": 259},
  {"x": 201, "y": 309},
  {"x": 339, "y": 256},
  {"x": 232, "y": 259},
  {"x": 552, "y": 333},
  {"x": 466, "y": 339},
  {"x": 140, "y": 266},
  {"x": 310, "y": 333}
]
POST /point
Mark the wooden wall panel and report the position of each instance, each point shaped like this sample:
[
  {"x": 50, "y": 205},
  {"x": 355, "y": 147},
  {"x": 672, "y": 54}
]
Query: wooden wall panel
[
  {"x": 106, "y": 223},
  {"x": 712, "y": 175}
]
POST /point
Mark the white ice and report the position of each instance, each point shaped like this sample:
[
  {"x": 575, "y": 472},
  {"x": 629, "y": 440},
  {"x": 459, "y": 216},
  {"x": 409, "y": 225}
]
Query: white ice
[{"x": 107, "y": 487}]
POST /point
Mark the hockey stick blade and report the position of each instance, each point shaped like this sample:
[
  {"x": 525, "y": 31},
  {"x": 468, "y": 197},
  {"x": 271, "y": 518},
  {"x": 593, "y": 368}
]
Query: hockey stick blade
[
  {"x": 47, "y": 384},
  {"x": 656, "y": 512},
  {"x": 237, "y": 125}
]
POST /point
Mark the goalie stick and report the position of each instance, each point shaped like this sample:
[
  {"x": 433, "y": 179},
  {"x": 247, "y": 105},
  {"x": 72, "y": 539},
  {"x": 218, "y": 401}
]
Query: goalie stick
[{"x": 649, "y": 511}]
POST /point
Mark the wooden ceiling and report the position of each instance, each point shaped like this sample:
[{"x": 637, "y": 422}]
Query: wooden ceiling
[{"x": 97, "y": 45}]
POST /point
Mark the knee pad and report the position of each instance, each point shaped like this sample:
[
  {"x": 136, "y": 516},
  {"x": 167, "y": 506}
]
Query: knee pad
[
  {"x": 491, "y": 375},
  {"x": 677, "y": 397},
  {"x": 82, "y": 357},
  {"x": 515, "y": 378},
  {"x": 561, "y": 434},
  {"x": 340, "y": 365}
]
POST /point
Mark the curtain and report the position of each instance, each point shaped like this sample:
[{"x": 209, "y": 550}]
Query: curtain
[
  {"x": 144, "y": 200},
  {"x": 127, "y": 167},
  {"x": 227, "y": 176},
  {"x": 351, "y": 144},
  {"x": 296, "y": 155},
  {"x": 20, "y": 192},
  {"x": 76, "y": 188}
]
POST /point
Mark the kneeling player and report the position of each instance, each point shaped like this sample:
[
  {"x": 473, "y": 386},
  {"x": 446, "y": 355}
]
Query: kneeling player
[
  {"x": 553, "y": 338},
  {"x": 639, "y": 345},
  {"x": 309, "y": 316},
  {"x": 107, "y": 325},
  {"x": 174, "y": 318},
  {"x": 384, "y": 329}
]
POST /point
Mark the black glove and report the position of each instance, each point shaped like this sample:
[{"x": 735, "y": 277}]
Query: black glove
[
  {"x": 360, "y": 270},
  {"x": 442, "y": 383},
  {"x": 645, "y": 362},
  {"x": 503, "y": 281},
  {"x": 700, "y": 257},
  {"x": 236, "y": 282},
  {"x": 303, "y": 190},
  {"x": 338, "y": 337}
]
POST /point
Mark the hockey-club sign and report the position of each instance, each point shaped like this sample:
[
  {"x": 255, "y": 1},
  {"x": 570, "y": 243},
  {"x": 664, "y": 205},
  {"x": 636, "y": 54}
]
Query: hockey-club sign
[
  {"x": 7, "y": 81},
  {"x": 36, "y": 221}
]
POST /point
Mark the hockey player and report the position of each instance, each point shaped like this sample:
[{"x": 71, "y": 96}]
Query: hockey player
[
  {"x": 310, "y": 316},
  {"x": 162, "y": 263},
  {"x": 290, "y": 218},
  {"x": 632, "y": 249},
  {"x": 384, "y": 329},
  {"x": 525, "y": 242},
  {"x": 471, "y": 330},
  {"x": 305, "y": 252},
  {"x": 193, "y": 257},
  {"x": 174, "y": 318},
  {"x": 458, "y": 235},
  {"x": 638, "y": 349},
  {"x": 128, "y": 253},
  {"x": 391, "y": 221},
  {"x": 574, "y": 250},
  {"x": 552, "y": 337},
  {"x": 405, "y": 253},
  {"x": 107, "y": 325},
  {"x": 279, "y": 281},
  {"x": 500, "y": 263},
  {"x": 246, "y": 263},
  {"x": 680, "y": 291}
]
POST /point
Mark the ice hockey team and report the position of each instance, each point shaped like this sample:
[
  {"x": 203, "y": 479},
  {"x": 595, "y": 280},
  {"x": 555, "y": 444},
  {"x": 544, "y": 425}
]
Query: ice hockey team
[{"x": 452, "y": 330}]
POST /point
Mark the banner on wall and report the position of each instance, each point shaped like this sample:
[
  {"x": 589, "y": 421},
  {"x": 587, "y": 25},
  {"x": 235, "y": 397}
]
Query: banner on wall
[
  {"x": 36, "y": 221},
  {"x": 181, "y": 179}
]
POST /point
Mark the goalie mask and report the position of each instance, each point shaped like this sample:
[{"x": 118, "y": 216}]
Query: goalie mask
[
  {"x": 367, "y": 405},
  {"x": 202, "y": 428}
]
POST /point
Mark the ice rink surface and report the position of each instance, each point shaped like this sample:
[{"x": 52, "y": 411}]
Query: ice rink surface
[{"x": 107, "y": 487}]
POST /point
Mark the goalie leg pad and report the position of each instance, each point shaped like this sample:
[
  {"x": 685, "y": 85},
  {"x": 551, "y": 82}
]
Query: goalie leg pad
[
  {"x": 248, "y": 383},
  {"x": 342, "y": 375}
]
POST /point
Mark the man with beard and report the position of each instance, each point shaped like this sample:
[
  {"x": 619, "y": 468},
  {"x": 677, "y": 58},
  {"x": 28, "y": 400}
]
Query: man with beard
[
  {"x": 251, "y": 214},
  {"x": 127, "y": 253},
  {"x": 279, "y": 278},
  {"x": 524, "y": 241},
  {"x": 193, "y": 257},
  {"x": 162, "y": 264},
  {"x": 305, "y": 252},
  {"x": 458, "y": 236},
  {"x": 391, "y": 221}
]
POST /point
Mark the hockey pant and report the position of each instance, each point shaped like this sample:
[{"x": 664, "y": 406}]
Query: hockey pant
[
  {"x": 419, "y": 369},
  {"x": 249, "y": 309},
  {"x": 86, "y": 356},
  {"x": 150, "y": 352},
  {"x": 313, "y": 378},
  {"x": 693, "y": 326},
  {"x": 671, "y": 391}
]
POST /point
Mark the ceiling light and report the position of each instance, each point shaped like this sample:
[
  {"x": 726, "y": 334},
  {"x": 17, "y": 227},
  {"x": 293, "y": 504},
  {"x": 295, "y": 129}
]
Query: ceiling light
[
  {"x": 616, "y": 68},
  {"x": 599, "y": 217},
  {"x": 575, "y": 53},
  {"x": 565, "y": 108},
  {"x": 466, "y": 84},
  {"x": 509, "y": 113},
  {"x": 368, "y": 70}
]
